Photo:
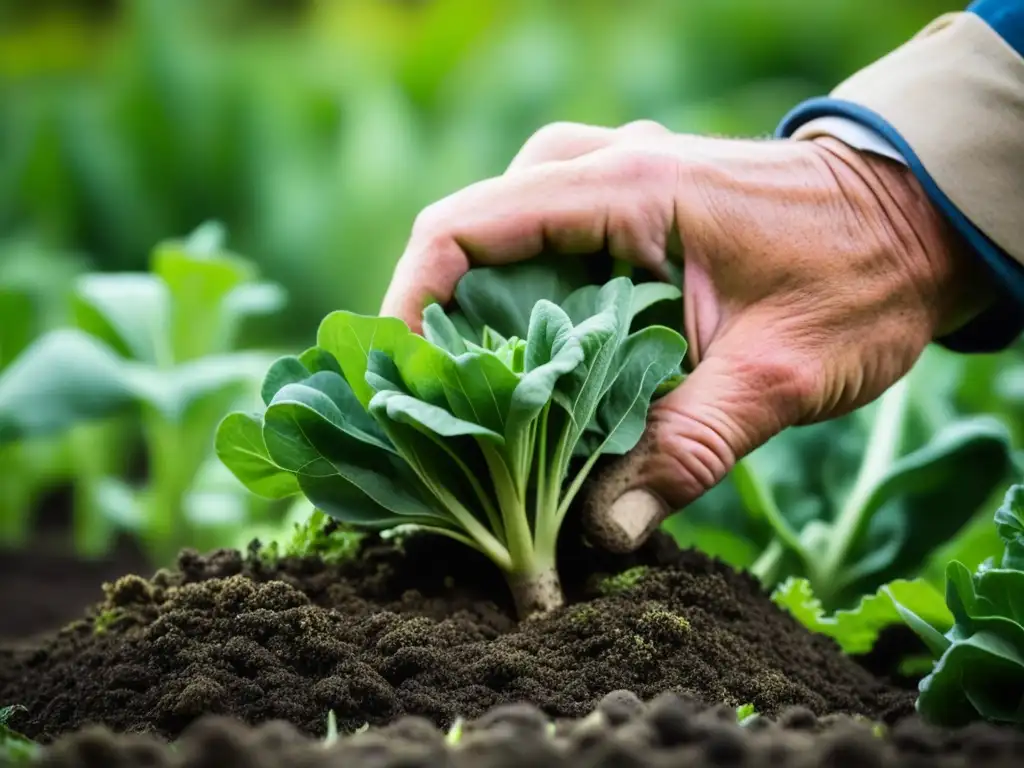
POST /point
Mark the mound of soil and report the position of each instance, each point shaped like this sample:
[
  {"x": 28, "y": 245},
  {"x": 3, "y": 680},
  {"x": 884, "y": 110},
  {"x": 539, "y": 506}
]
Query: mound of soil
[
  {"x": 424, "y": 629},
  {"x": 622, "y": 731}
]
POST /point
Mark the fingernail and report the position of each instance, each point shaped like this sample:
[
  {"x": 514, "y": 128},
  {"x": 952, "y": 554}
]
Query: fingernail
[{"x": 630, "y": 519}]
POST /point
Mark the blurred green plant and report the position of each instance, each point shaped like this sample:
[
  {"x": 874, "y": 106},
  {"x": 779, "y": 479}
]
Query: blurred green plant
[
  {"x": 34, "y": 285},
  {"x": 853, "y": 503},
  {"x": 161, "y": 345}
]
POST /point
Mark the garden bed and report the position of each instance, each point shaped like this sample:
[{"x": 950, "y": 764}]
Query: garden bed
[{"x": 237, "y": 655}]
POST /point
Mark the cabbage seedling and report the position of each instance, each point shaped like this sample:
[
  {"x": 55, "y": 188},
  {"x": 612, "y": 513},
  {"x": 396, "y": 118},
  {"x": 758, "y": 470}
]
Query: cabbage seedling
[{"x": 464, "y": 431}]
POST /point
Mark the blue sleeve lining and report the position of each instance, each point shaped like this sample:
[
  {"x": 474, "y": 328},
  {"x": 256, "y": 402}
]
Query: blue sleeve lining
[
  {"x": 1001, "y": 324},
  {"x": 1006, "y": 17}
]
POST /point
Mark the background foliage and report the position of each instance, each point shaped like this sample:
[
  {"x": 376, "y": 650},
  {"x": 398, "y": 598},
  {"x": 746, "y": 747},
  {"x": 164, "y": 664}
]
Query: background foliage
[{"x": 315, "y": 131}]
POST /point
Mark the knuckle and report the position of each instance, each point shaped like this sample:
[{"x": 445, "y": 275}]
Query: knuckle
[
  {"x": 554, "y": 135},
  {"x": 630, "y": 165},
  {"x": 639, "y": 128},
  {"x": 428, "y": 221}
]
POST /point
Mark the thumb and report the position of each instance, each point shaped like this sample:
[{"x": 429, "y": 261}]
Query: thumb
[{"x": 695, "y": 435}]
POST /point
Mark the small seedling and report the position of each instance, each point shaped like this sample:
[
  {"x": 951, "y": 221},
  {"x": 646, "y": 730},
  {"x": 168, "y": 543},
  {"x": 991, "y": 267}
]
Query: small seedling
[
  {"x": 471, "y": 430},
  {"x": 331, "y": 737},
  {"x": 746, "y": 713},
  {"x": 454, "y": 735}
]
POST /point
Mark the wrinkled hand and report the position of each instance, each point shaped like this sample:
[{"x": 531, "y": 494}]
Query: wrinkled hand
[{"x": 814, "y": 277}]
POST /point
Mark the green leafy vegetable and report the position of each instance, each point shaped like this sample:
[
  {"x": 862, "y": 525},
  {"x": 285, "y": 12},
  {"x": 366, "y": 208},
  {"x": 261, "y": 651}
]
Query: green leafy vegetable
[
  {"x": 158, "y": 345},
  {"x": 856, "y": 503},
  {"x": 15, "y": 749},
  {"x": 979, "y": 672},
  {"x": 470, "y": 430},
  {"x": 856, "y": 629}
]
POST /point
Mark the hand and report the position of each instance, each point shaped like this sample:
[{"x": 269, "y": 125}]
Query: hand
[{"x": 814, "y": 277}]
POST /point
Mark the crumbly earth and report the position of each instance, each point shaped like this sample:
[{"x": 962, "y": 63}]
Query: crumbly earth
[
  {"x": 423, "y": 629},
  {"x": 668, "y": 732}
]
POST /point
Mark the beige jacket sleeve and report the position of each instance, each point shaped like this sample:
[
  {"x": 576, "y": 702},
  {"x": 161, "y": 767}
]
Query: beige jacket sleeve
[{"x": 954, "y": 94}]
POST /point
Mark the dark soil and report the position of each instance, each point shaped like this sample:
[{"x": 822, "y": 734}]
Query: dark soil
[
  {"x": 44, "y": 590},
  {"x": 622, "y": 732},
  {"x": 45, "y": 584},
  {"x": 408, "y": 632}
]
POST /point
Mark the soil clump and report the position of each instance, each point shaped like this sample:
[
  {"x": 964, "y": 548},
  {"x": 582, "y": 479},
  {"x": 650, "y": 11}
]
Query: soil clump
[
  {"x": 668, "y": 732},
  {"x": 426, "y": 629}
]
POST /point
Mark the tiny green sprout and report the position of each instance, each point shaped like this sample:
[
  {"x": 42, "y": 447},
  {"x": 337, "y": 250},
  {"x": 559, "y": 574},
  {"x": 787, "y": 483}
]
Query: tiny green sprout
[
  {"x": 620, "y": 582},
  {"x": 454, "y": 735},
  {"x": 745, "y": 713},
  {"x": 332, "y": 729},
  {"x": 105, "y": 620},
  {"x": 551, "y": 729}
]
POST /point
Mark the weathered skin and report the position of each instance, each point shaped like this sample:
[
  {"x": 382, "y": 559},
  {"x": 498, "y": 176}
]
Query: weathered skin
[{"x": 814, "y": 277}]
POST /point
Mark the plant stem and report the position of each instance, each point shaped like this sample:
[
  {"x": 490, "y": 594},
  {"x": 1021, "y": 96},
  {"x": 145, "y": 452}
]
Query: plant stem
[
  {"x": 90, "y": 449},
  {"x": 15, "y": 497},
  {"x": 882, "y": 449},
  {"x": 512, "y": 503},
  {"x": 166, "y": 526},
  {"x": 536, "y": 593},
  {"x": 765, "y": 568},
  {"x": 492, "y": 514},
  {"x": 759, "y": 500}
]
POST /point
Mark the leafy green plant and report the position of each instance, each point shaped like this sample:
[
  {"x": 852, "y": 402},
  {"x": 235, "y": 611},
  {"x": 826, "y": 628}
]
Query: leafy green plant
[
  {"x": 15, "y": 749},
  {"x": 34, "y": 282},
  {"x": 470, "y": 430},
  {"x": 856, "y": 629},
  {"x": 979, "y": 672},
  {"x": 159, "y": 344},
  {"x": 853, "y": 504}
]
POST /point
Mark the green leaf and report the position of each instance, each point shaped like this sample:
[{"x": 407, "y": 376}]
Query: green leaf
[
  {"x": 61, "y": 379},
  {"x": 130, "y": 312},
  {"x": 646, "y": 359},
  {"x": 316, "y": 360},
  {"x": 336, "y": 462},
  {"x": 239, "y": 444},
  {"x": 200, "y": 277},
  {"x": 330, "y": 396},
  {"x": 480, "y": 388},
  {"x": 17, "y": 323},
  {"x": 979, "y": 677},
  {"x": 503, "y": 297},
  {"x": 405, "y": 409},
  {"x": 931, "y": 636},
  {"x": 441, "y": 331},
  {"x": 350, "y": 338},
  {"x": 584, "y": 302},
  {"x": 179, "y": 390},
  {"x": 1009, "y": 521},
  {"x": 600, "y": 336},
  {"x": 251, "y": 299},
  {"x": 721, "y": 542},
  {"x": 856, "y": 630},
  {"x": 284, "y": 371},
  {"x": 916, "y": 507}
]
